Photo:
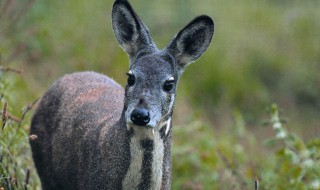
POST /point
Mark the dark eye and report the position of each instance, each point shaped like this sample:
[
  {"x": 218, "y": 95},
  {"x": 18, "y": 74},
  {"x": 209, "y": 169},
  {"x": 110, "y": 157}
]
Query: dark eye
[
  {"x": 168, "y": 85},
  {"x": 131, "y": 80}
]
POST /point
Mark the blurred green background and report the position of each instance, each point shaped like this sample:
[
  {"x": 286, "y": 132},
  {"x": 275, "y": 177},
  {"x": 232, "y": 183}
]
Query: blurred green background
[{"x": 262, "y": 52}]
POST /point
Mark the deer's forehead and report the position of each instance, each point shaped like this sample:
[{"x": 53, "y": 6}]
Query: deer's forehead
[{"x": 153, "y": 66}]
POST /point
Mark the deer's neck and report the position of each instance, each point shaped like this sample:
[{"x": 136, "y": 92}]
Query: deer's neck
[{"x": 146, "y": 163}]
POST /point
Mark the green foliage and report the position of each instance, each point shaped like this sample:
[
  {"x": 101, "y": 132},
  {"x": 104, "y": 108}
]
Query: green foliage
[
  {"x": 297, "y": 162},
  {"x": 16, "y": 168},
  {"x": 206, "y": 159}
]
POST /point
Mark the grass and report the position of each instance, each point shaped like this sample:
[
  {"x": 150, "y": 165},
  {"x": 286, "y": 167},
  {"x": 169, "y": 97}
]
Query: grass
[{"x": 16, "y": 166}]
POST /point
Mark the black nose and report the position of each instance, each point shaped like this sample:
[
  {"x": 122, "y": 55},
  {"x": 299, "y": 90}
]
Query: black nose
[{"x": 140, "y": 116}]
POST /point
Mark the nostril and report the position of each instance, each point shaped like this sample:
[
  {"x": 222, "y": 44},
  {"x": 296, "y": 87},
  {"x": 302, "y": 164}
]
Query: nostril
[{"x": 140, "y": 116}]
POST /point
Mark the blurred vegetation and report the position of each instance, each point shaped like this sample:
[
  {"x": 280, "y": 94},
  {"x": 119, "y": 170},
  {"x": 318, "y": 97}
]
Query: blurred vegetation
[
  {"x": 262, "y": 52},
  {"x": 236, "y": 159}
]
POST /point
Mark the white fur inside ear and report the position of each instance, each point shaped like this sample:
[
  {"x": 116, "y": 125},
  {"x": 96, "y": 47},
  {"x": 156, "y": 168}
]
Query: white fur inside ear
[
  {"x": 171, "y": 79},
  {"x": 130, "y": 72}
]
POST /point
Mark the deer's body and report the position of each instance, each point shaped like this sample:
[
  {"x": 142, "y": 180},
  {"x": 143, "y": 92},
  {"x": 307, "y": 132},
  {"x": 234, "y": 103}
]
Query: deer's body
[
  {"x": 84, "y": 111},
  {"x": 93, "y": 134}
]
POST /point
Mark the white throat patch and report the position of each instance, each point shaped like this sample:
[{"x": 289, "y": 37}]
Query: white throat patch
[{"x": 134, "y": 176}]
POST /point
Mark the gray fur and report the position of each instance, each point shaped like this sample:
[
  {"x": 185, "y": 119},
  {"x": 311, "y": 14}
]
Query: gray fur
[{"x": 86, "y": 139}]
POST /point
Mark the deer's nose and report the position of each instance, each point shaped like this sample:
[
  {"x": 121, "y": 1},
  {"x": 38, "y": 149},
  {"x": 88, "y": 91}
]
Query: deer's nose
[{"x": 140, "y": 116}]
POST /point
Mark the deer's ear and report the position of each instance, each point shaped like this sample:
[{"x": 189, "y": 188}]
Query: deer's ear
[
  {"x": 129, "y": 30},
  {"x": 192, "y": 41}
]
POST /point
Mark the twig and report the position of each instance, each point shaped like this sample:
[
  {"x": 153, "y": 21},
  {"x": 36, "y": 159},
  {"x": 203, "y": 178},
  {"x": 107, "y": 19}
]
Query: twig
[
  {"x": 27, "y": 180},
  {"x": 9, "y": 69},
  {"x": 26, "y": 110},
  {"x": 256, "y": 183},
  {"x": 256, "y": 179},
  {"x": 11, "y": 117},
  {"x": 4, "y": 115}
]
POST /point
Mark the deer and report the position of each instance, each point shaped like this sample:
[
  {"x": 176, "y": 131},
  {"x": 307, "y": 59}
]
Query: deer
[{"x": 94, "y": 134}]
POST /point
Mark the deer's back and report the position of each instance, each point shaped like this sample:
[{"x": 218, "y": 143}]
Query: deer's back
[{"x": 72, "y": 123}]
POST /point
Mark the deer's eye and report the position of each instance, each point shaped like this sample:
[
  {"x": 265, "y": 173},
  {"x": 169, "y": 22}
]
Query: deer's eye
[
  {"x": 168, "y": 85},
  {"x": 131, "y": 79}
]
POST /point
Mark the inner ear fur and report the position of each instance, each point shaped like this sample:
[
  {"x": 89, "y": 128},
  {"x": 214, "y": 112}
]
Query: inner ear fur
[
  {"x": 131, "y": 33},
  {"x": 192, "y": 41}
]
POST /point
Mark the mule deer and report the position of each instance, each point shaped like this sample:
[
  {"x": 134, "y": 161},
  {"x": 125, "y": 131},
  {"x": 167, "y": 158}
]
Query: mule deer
[{"x": 93, "y": 134}]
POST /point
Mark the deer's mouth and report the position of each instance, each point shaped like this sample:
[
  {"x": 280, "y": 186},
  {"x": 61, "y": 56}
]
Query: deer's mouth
[
  {"x": 130, "y": 125},
  {"x": 162, "y": 127}
]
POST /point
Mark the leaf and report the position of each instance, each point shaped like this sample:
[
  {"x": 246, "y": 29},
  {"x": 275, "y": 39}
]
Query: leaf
[{"x": 270, "y": 142}]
